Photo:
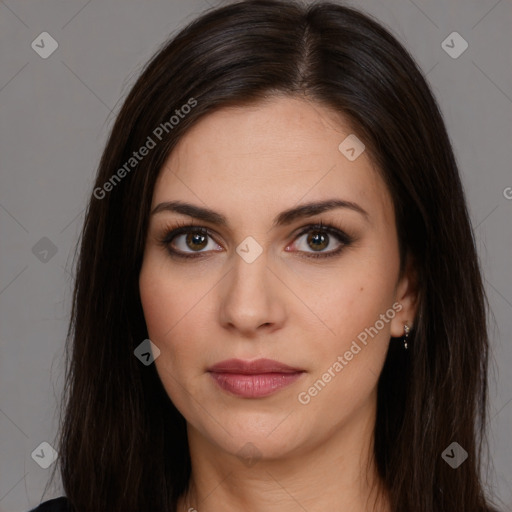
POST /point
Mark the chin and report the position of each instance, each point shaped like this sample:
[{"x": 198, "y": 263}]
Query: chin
[{"x": 254, "y": 436}]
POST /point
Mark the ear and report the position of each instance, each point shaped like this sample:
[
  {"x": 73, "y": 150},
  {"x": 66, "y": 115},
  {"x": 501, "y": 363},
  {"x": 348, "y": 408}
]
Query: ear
[{"x": 407, "y": 296}]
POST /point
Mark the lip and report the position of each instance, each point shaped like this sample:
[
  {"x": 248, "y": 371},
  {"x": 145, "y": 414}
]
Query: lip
[
  {"x": 258, "y": 366},
  {"x": 253, "y": 379}
]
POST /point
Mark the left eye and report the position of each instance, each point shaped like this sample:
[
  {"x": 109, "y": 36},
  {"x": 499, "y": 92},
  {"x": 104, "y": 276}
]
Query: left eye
[{"x": 318, "y": 239}]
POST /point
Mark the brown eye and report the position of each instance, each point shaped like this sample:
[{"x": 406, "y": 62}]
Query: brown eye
[
  {"x": 189, "y": 246},
  {"x": 196, "y": 241},
  {"x": 320, "y": 237},
  {"x": 317, "y": 240}
]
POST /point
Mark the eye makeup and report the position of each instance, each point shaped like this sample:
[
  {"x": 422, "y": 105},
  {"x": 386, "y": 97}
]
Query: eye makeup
[{"x": 172, "y": 231}]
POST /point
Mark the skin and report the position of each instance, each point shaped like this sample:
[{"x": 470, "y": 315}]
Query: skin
[{"x": 250, "y": 164}]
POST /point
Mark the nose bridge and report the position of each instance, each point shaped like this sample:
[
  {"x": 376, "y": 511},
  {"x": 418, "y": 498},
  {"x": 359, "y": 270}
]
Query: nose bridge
[
  {"x": 247, "y": 297},
  {"x": 249, "y": 273}
]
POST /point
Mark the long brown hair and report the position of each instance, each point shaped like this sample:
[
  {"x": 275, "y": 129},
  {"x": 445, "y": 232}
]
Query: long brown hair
[{"x": 122, "y": 443}]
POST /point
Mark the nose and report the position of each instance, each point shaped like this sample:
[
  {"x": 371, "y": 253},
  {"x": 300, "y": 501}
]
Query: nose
[{"x": 252, "y": 297}]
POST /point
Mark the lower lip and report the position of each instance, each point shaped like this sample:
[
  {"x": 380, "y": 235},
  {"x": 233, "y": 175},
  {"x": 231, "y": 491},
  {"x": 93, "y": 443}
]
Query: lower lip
[{"x": 256, "y": 385}]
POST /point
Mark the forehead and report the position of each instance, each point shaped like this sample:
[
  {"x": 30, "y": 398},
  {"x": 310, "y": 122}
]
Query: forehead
[{"x": 267, "y": 157}]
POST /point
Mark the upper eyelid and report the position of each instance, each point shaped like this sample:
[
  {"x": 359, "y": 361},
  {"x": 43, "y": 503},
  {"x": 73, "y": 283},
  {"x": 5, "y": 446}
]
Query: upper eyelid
[{"x": 202, "y": 227}]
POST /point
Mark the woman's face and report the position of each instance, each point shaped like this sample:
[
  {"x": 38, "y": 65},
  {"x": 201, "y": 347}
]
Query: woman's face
[{"x": 254, "y": 288}]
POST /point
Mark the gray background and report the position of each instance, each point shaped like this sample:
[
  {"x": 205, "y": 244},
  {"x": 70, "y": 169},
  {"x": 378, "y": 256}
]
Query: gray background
[{"x": 56, "y": 114}]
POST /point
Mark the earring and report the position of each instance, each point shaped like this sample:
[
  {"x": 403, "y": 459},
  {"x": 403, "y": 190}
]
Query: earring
[{"x": 407, "y": 330}]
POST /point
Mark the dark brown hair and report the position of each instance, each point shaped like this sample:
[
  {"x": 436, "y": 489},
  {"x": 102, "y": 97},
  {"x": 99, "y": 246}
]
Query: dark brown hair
[{"x": 122, "y": 444}]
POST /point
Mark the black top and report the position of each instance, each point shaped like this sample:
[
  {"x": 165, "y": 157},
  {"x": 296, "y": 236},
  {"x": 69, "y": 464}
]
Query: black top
[
  {"x": 62, "y": 505},
  {"x": 56, "y": 505}
]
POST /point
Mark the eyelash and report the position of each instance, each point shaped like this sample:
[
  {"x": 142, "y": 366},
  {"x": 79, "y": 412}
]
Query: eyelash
[{"x": 183, "y": 227}]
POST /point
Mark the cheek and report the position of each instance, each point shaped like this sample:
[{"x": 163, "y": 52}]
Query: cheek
[
  {"x": 163, "y": 305},
  {"x": 166, "y": 299},
  {"x": 352, "y": 354},
  {"x": 354, "y": 297},
  {"x": 165, "y": 311},
  {"x": 347, "y": 366},
  {"x": 157, "y": 298},
  {"x": 174, "y": 311}
]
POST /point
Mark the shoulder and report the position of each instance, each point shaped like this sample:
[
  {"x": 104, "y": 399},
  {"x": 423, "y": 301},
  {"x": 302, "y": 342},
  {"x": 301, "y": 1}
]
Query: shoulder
[{"x": 55, "y": 505}]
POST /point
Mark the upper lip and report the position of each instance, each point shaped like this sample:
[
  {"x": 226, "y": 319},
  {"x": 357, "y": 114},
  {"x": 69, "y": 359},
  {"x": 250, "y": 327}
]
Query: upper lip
[{"x": 252, "y": 367}]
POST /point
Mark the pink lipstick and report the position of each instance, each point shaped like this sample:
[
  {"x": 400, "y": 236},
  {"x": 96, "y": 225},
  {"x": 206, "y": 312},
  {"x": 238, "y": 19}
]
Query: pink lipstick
[{"x": 253, "y": 379}]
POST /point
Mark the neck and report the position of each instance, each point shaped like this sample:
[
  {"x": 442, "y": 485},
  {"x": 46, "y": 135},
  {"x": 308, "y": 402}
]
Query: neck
[{"x": 337, "y": 474}]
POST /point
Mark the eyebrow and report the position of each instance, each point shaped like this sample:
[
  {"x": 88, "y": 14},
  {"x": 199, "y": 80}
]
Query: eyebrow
[{"x": 284, "y": 218}]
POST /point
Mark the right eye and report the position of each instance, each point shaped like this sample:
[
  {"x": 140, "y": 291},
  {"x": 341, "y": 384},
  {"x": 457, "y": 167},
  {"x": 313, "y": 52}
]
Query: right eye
[{"x": 195, "y": 239}]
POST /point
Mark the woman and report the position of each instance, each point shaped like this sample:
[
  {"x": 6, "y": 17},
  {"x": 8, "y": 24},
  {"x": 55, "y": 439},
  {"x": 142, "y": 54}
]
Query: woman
[{"x": 278, "y": 303}]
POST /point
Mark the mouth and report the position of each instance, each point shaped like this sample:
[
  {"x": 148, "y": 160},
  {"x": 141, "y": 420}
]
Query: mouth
[
  {"x": 253, "y": 379},
  {"x": 257, "y": 367}
]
